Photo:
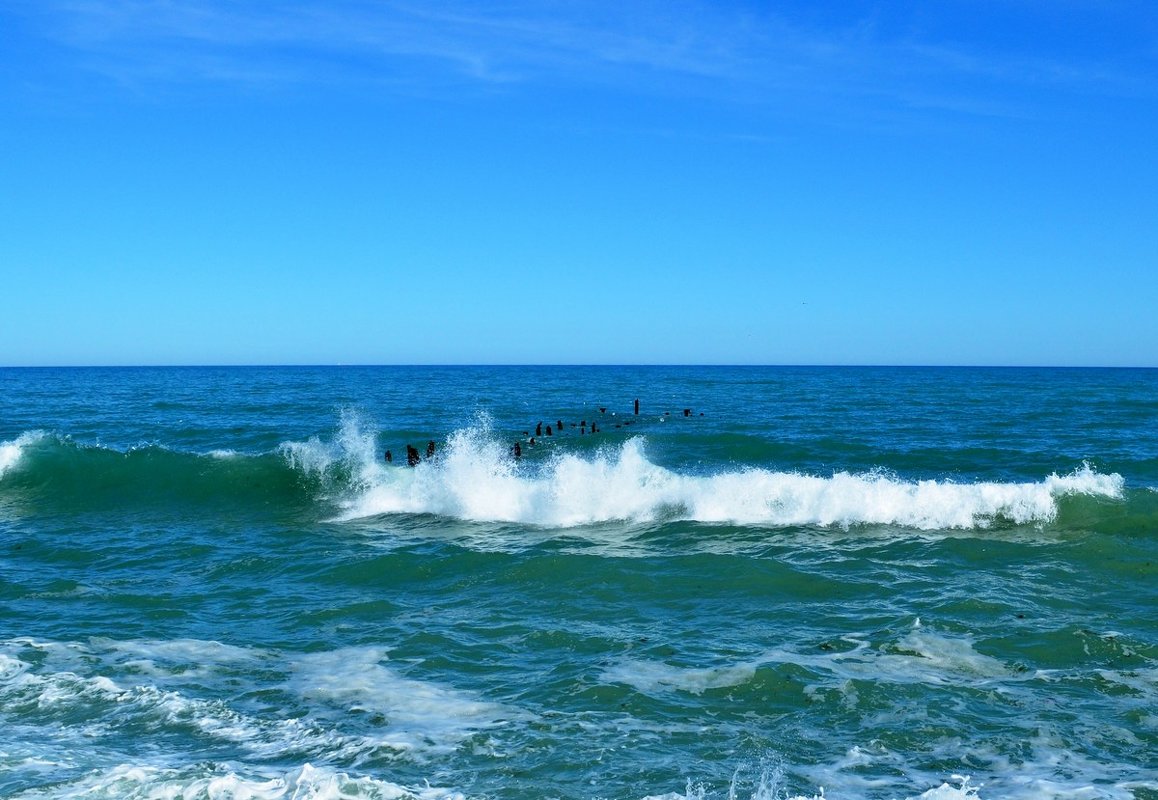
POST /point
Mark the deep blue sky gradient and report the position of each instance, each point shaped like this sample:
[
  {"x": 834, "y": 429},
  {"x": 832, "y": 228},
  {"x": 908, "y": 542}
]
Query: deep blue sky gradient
[{"x": 211, "y": 182}]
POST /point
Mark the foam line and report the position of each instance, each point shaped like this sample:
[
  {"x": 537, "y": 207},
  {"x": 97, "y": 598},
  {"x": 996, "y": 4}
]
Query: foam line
[{"x": 475, "y": 479}]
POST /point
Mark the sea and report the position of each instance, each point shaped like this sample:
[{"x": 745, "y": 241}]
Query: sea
[{"x": 695, "y": 582}]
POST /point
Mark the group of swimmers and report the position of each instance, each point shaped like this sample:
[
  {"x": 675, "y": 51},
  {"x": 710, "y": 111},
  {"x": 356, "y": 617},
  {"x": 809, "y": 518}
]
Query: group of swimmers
[
  {"x": 540, "y": 431},
  {"x": 414, "y": 458}
]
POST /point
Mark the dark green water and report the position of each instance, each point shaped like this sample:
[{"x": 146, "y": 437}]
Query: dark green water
[{"x": 861, "y": 583}]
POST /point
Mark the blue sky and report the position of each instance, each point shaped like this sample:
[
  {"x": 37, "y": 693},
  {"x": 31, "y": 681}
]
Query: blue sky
[{"x": 375, "y": 182}]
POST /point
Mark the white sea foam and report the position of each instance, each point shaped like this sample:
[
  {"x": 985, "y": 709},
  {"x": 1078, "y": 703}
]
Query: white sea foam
[
  {"x": 650, "y": 677},
  {"x": 11, "y": 452},
  {"x": 770, "y": 785},
  {"x": 920, "y": 656},
  {"x": 434, "y": 717},
  {"x": 19, "y": 686},
  {"x": 767, "y": 785},
  {"x": 223, "y": 454},
  {"x": 164, "y": 663},
  {"x": 475, "y": 479},
  {"x": 179, "y": 659},
  {"x": 191, "y": 650},
  {"x": 151, "y": 782},
  {"x": 1046, "y": 769},
  {"x": 415, "y": 715},
  {"x": 352, "y": 452},
  {"x": 1047, "y": 774},
  {"x": 87, "y": 698},
  {"x": 948, "y": 792}
]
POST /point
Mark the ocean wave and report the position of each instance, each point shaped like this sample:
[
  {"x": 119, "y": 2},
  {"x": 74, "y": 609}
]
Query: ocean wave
[
  {"x": 474, "y": 478},
  {"x": 54, "y": 470},
  {"x": 12, "y": 452}
]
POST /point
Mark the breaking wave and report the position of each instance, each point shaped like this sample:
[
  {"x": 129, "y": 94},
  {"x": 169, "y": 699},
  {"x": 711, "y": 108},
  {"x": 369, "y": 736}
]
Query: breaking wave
[{"x": 474, "y": 477}]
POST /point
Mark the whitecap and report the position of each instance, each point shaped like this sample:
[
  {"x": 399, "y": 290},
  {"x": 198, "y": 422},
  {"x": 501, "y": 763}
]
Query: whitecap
[
  {"x": 475, "y": 479},
  {"x": 12, "y": 452}
]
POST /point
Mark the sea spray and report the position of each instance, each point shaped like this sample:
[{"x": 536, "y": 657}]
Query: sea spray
[
  {"x": 349, "y": 460},
  {"x": 474, "y": 478},
  {"x": 12, "y": 452}
]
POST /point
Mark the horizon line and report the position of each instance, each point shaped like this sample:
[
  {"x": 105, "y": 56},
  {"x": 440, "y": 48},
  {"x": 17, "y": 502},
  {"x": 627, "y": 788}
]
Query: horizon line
[{"x": 428, "y": 365}]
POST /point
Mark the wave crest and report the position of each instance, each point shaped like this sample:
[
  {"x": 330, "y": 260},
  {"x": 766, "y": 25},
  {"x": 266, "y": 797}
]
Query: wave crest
[
  {"x": 474, "y": 478},
  {"x": 12, "y": 452}
]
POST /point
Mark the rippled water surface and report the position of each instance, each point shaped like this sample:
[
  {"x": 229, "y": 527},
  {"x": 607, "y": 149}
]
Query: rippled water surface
[{"x": 768, "y": 583}]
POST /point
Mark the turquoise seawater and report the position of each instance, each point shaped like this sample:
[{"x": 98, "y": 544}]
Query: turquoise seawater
[{"x": 848, "y": 583}]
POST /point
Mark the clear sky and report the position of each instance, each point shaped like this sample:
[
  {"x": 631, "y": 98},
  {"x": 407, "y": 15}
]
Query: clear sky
[{"x": 379, "y": 182}]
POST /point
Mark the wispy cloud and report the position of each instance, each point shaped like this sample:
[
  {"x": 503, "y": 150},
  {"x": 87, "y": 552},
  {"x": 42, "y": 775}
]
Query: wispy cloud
[
  {"x": 499, "y": 44},
  {"x": 675, "y": 46}
]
